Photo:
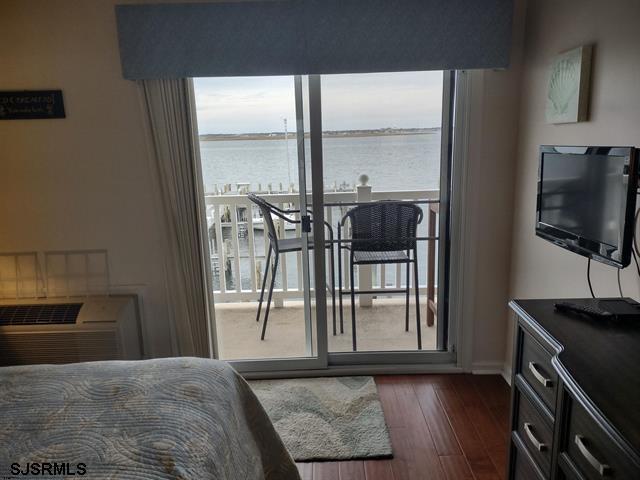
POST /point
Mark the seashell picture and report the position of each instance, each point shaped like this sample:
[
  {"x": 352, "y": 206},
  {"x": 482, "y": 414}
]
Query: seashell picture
[{"x": 568, "y": 91}]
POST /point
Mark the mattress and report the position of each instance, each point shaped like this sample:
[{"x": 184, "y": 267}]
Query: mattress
[{"x": 177, "y": 418}]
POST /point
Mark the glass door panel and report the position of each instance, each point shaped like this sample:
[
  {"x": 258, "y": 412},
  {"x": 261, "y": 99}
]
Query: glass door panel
[
  {"x": 382, "y": 141},
  {"x": 252, "y": 141}
]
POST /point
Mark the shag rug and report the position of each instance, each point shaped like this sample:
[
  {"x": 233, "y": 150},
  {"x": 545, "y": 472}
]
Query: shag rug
[{"x": 334, "y": 418}]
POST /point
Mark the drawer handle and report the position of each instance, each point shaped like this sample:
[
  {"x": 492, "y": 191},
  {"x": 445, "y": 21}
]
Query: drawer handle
[
  {"x": 528, "y": 429},
  {"x": 602, "y": 468},
  {"x": 536, "y": 373}
]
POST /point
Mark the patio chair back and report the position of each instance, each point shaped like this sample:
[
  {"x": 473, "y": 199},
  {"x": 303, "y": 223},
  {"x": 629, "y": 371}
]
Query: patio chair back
[
  {"x": 266, "y": 209},
  {"x": 384, "y": 226}
]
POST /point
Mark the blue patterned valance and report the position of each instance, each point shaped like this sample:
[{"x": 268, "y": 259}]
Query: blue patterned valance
[{"x": 285, "y": 37}]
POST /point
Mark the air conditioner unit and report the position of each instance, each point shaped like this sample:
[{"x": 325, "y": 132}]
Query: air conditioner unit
[{"x": 69, "y": 329}]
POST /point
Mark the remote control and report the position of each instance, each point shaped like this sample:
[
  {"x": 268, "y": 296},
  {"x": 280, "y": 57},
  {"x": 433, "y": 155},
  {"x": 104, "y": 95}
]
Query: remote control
[{"x": 593, "y": 312}]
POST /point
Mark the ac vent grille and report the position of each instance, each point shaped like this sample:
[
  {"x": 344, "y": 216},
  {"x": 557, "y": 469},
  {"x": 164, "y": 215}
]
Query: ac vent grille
[{"x": 44, "y": 314}]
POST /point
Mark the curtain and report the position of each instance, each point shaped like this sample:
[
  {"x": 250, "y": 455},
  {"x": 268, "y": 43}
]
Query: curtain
[{"x": 168, "y": 105}]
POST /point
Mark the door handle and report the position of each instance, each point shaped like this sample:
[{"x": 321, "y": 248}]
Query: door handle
[
  {"x": 528, "y": 429},
  {"x": 546, "y": 382},
  {"x": 305, "y": 221}
]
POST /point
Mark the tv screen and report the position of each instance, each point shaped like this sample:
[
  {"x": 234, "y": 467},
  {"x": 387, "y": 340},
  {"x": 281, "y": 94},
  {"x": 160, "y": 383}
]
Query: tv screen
[{"x": 586, "y": 200}]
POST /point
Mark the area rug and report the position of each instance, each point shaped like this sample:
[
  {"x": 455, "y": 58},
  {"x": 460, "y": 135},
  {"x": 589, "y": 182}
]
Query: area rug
[{"x": 334, "y": 418}]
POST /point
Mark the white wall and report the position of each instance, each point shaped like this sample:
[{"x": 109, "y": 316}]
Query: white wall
[
  {"x": 540, "y": 269},
  {"x": 84, "y": 181}
]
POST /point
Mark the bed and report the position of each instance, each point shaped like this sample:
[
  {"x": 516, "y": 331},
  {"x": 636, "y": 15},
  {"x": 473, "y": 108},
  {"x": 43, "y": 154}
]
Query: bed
[{"x": 177, "y": 418}]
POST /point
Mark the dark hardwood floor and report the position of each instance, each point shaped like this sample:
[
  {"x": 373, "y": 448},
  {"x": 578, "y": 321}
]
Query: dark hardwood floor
[{"x": 449, "y": 427}]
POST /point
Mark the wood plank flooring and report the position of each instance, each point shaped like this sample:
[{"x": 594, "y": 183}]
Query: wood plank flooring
[{"x": 442, "y": 427}]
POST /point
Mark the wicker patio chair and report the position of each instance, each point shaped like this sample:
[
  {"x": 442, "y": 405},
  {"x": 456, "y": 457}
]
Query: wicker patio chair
[{"x": 381, "y": 233}]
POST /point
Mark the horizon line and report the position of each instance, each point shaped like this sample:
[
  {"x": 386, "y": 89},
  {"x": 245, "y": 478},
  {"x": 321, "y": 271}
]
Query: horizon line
[{"x": 282, "y": 132}]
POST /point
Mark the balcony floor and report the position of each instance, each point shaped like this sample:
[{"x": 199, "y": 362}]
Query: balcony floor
[{"x": 379, "y": 328}]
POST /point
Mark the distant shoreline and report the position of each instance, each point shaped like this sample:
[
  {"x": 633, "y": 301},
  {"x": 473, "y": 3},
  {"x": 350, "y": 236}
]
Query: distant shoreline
[{"x": 216, "y": 137}]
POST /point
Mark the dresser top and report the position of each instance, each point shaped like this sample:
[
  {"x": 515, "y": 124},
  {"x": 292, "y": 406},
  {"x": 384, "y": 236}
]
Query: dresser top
[{"x": 602, "y": 356}]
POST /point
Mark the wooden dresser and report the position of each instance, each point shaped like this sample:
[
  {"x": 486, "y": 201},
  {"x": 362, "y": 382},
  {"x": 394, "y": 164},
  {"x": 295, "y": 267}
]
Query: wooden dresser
[{"x": 575, "y": 404}]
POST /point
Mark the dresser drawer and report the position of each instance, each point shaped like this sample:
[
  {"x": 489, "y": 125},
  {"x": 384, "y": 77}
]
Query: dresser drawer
[
  {"x": 535, "y": 367},
  {"x": 522, "y": 467},
  {"x": 535, "y": 433},
  {"x": 592, "y": 451},
  {"x": 568, "y": 473}
]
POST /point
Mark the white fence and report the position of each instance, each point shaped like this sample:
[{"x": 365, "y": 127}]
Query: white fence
[{"x": 237, "y": 215}]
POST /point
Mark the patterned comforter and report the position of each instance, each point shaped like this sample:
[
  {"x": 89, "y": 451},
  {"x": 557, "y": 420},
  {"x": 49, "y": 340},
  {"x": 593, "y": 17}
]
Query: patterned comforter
[{"x": 179, "y": 418}]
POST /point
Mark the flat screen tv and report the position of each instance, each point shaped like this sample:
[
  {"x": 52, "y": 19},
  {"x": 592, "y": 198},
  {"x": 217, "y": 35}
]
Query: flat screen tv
[{"x": 587, "y": 199}]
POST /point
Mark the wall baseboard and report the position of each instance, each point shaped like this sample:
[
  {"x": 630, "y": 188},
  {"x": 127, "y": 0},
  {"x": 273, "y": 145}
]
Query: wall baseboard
[
  {"x": 492, "y": 368},
  {"x": 487, "y": 368},
  {"x": 506, "y": 374}
]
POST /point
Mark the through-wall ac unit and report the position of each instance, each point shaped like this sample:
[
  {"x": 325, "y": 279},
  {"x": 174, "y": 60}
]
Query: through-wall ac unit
[{"x": 69, "y": 329}]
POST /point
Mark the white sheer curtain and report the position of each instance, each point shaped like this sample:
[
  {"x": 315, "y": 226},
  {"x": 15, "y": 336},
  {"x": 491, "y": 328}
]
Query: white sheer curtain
[{"x": 172, "y": 123}]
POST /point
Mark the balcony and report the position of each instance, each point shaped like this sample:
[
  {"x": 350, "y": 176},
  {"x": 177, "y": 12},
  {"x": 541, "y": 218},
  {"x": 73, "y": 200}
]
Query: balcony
[{"x": 238, "y": 252}]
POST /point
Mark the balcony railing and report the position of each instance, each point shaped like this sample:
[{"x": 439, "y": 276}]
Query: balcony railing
[{"x": 238, "y": 246}]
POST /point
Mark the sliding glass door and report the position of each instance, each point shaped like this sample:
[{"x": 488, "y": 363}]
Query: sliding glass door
[
  {"x": 311, "y": 149},
  {"x": 382, "y": 140},
  {"x": 386, "y": 139},
  {"x": 256, "y": 175}
]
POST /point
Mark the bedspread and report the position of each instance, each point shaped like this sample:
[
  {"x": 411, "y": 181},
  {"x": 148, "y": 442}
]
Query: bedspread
[{"x": 175, "y": 418}]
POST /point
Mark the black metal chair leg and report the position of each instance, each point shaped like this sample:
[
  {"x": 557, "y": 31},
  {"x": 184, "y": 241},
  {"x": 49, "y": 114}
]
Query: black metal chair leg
[
  {"x": 353, "y": 304},
  {"x": 333, "y": 288},
  {"x": 408, "y": 291},
  {"x": 264, "y": 283},
  {"x": 273, "y": 282},
  {"x": 340, "y": 282},
  {"x": 417, "y": 286}
]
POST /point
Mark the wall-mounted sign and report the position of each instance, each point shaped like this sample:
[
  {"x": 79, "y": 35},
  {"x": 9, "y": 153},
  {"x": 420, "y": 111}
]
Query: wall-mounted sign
[{"x": 31, "y": 104}]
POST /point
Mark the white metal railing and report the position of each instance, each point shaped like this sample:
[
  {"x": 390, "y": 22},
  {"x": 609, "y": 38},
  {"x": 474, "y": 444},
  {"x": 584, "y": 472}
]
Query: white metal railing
[{"x": 235, "y": 215}]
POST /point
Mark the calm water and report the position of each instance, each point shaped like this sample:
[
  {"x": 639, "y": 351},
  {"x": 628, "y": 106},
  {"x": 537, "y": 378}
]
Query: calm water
[{"x": 400, "y": 162}]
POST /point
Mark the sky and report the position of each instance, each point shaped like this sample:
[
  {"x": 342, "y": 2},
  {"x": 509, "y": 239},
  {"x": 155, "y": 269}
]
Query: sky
[{"x": 349, "y": 102}]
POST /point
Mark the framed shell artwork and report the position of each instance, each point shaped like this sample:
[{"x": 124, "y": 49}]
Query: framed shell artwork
[{"x": 568, "y": 89}]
